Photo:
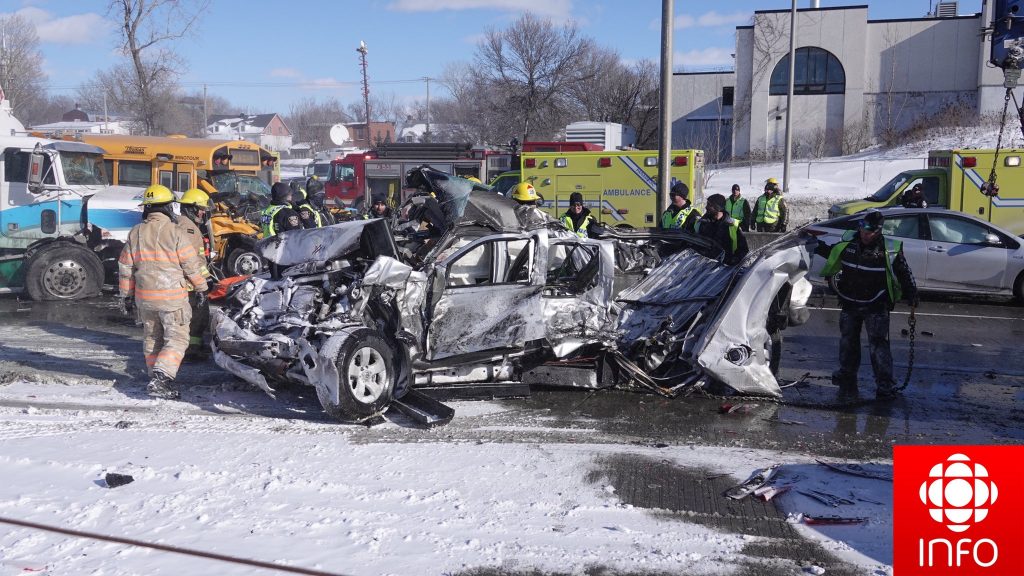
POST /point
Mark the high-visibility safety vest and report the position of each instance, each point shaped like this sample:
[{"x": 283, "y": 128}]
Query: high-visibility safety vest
[
  {"x": 768, "y": 209},
  {"x": 582, "y": 232},
  {"x": 892, "y": 249},
  {"x": 734, "y": 234},
  {"x": 734, "y": 208},
  {"x": 267, "y": 219},
  {"x": 677, "y": 221},
  {"x": 314, "y": 212}
]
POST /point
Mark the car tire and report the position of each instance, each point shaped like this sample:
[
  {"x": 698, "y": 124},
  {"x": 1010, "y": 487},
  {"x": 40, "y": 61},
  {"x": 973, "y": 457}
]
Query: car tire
[
  {"x": 366, "y": 376},
  {"x": 774, "y": 350},
  {"x": 63, "y": 271},
  {"x": 243, "y": 261}
]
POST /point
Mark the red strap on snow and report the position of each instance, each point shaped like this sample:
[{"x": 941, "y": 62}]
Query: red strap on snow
[{"x": 221, "y": 289}]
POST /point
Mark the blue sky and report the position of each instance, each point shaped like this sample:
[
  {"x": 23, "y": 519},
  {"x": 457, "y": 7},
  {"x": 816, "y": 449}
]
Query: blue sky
[{"x": 263, "y": 55}]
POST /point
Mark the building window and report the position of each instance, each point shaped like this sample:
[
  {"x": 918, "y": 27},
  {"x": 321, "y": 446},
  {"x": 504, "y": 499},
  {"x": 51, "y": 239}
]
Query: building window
[
  {"x": 817, "y": 71},
  {"x": 727, "y": 94}
]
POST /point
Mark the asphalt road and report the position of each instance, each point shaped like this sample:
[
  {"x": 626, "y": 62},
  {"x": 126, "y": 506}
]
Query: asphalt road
[{"x": 966, "y": 385}]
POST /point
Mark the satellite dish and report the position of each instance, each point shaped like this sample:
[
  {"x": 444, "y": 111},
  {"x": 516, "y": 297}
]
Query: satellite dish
[{"x": 339, "y": 134}]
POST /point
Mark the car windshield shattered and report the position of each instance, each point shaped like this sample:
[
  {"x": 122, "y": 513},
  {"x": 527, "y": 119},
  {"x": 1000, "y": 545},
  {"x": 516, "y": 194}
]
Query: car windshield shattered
[{"x": 465, "y": 290}]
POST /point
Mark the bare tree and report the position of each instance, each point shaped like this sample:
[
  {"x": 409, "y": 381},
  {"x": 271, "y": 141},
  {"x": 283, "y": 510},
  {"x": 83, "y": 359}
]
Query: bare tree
[
  {"x": 195, "y": 108},
  {"x": 311, "y": 121},
  {"x": 611, "y": 91},
  {"x": 145, "y": 26},
  {"x": 117, "y": 88},
  {"x": 21, "y": 76},
  {"x": 533, "y": 63}
]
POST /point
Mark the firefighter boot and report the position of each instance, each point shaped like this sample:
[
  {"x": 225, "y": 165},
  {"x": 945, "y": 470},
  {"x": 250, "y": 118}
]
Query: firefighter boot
[{"x": 160, "y": 387}]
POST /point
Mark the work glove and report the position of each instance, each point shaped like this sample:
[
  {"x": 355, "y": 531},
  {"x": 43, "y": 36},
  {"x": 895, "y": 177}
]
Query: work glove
[
  {"x": 126, "y": 305},
  {"x": 202, "y": 298},
  {"x": 913, "y": 299}
]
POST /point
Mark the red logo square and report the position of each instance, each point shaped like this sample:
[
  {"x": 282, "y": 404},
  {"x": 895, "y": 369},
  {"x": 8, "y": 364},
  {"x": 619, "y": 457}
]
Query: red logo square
[{"x": 958, "y": 510}]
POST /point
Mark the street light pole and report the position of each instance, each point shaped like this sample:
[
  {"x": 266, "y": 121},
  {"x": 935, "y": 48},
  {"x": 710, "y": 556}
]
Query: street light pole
[
  {"x": 665, "y": 139},
  {"x": 789, "y": 100},
  {"x": 427, "y": 80}
]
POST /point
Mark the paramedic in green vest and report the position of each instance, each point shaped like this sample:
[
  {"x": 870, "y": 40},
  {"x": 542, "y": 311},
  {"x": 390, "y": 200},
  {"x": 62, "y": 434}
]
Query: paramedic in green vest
[
  {"x": 738, "y": 208},
  {"x": 577, "y": 219},
  {"x": 770, "y": 214},
  {"x": 719, "y": 226},
  {"x": 870, "y": 275},
  {"x": 681, "y": 215},
  {"x": 279, "y": 216}
]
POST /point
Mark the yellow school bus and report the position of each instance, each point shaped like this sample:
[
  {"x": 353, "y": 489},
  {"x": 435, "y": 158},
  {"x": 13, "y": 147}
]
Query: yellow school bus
[{"x": 223, "y": 166}]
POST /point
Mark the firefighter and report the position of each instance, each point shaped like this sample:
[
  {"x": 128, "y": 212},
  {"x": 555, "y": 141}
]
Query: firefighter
[
  {"x": 195, "y": 207},
  {"x": 526, "y": 194},
  {"x": 719, "y": 226},
  {"x": 158, "y": 265},
  {"x": 474, "y": 179},
  {"x": 680, "y": 215},
  {"x": 308, "y": 214},
  {"x": 577, "y": 219},
  {"x": 738, "y": 208},
  {"x": 770, "y": 213},
  {"x": 279, "y": 216},
  {"x": 870, "y": 275}
]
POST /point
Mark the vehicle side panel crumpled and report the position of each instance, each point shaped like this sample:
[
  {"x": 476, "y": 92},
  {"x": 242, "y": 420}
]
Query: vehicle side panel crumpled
[
  {"x": 458, "y": 328},
  {"x": 410, "y": 288}
]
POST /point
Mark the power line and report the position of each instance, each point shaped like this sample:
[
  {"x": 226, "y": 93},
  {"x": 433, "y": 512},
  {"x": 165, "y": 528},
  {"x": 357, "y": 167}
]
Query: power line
[{"x": 291, "y": 84}]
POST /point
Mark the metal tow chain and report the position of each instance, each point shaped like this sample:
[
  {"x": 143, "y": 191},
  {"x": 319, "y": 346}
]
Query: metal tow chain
[
  {"x": 912, "y": 322},
  {"x": 990, "y": 188}
]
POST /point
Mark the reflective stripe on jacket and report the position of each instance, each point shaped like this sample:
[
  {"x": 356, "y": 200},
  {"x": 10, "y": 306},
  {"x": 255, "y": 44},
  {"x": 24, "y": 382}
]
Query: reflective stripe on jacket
[
  {"x": 735, "y": 208},
  {"x": 314, "y": 212},
  {"x": 584, "y": 226},
  {"x": 676, "y": 221},
  {"x": 837, "y": 263},
  {"x": 267, "y": 219},
  {"x": 767, "y": 210},
  {"x": 159, "y": 264}
]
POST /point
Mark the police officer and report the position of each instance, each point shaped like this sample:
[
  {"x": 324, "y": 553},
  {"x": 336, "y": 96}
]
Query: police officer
[
  {"x": 157, "y": 266},
  {"x": 870, "y": 275},
  {"x": 738, "y": 208},
  {"x": 719, "y": 226},
  {"x": 770, "y": 214},
  {"x": 577, "y": 219},
  {"x": 195, "y": 212},
  {"x": 317, "y": 198},
  {"x": 680, "y": 215},
  {"x": 279, "y": 216},
  {"x": 308, "y": 214}
]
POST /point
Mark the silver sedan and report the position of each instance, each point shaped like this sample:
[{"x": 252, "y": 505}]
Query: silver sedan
[{"x": 947, "y": 251}]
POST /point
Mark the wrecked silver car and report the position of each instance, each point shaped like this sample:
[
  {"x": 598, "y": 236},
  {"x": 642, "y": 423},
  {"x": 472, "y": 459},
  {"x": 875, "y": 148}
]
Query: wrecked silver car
[{"x": 501, "y": 294}]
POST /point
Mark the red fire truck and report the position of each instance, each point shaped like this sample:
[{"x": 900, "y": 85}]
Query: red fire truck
[{"x": 355, "y": 178}]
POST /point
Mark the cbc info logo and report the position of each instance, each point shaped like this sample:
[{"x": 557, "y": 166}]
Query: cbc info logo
[
  {"x": 958, "y": 493},
  {"x": 963, "y": 490}
]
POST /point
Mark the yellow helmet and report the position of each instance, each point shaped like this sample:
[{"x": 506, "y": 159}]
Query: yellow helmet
[
  {"x": 157, "y": 194},
  {"x": 195, "y": 197},
  {"x": 771, "y": 181},
  {"x": 474, "y": 179},
  {"x": 525, "y": 192}
]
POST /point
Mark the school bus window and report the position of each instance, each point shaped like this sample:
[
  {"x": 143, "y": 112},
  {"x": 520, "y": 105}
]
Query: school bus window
[
  {"x": 167, "y": 179},
  {"x": 245, "y": 158},
  {"x": 131, "y": 173},
  {"x": 108, "y": 165},
  {"x": 184, "y": 181}
]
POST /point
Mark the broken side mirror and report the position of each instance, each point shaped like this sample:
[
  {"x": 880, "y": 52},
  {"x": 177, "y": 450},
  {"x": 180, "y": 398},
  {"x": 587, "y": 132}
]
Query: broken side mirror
[{"x": 36, "y": 165}]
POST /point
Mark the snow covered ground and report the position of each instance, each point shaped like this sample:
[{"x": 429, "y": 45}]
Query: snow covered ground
[{"x": 301, "y": 491}]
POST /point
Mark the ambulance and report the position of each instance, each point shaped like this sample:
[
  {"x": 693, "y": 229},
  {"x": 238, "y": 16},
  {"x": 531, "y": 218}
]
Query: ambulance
[
  {"x": 956, "y": 179},
  {"x": 620, "y": 187}
]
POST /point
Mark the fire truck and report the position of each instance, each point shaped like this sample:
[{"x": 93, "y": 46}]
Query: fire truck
[{"x": 355, "y": 178}]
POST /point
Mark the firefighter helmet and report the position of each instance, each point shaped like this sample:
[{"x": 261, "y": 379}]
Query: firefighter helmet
[
  {"x": 474, "y": 179},
  {"x": 195, "y": 197},
  {"x": 157, "y": 194},
  {"x": 525, "y": 192}
]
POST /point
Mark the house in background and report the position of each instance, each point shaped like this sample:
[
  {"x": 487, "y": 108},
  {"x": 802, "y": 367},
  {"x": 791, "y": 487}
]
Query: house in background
[
  {"x": 77, "y": 121},
  {"x": 267, "y": 130},
  {"x": 856, "y": 81},
  {"x": 378, "y": 133}
]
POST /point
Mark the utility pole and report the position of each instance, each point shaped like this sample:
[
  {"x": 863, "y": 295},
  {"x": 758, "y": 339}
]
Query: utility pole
[
  {"x": 366, "y": 87},
  {"x": 206, "y": 121},
  {"x": 789, "y": 99},
  {"x": 665, "y": 120},
  {"x": 427, "y": 80}
]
